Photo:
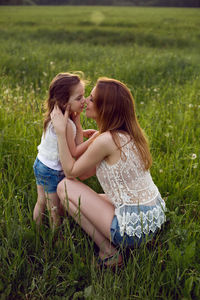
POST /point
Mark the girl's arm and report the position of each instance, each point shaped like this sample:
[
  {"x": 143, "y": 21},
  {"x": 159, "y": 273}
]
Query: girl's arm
[
  {"x": 87, "y": 133},
  {"x": 77, "y": 150},
  {"x": 79, "y": 130},
  {"x": 98, "y": 150}
]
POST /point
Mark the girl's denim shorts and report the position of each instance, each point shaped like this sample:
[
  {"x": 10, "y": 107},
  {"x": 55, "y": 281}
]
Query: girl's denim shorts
[{"x": 47, "y": 177}]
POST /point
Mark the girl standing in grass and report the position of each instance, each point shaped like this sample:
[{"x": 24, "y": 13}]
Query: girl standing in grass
[
  {"x": 131, "y": 210},
  {"x": 65, "y": 89}
]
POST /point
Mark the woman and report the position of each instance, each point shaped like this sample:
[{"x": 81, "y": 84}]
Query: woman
[{"x": 131, "y": 210}]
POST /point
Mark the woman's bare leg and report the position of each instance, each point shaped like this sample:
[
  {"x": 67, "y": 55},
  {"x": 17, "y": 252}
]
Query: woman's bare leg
[
  {"x": 95, "y": 213},
  {"x": 105, "y": 246}
]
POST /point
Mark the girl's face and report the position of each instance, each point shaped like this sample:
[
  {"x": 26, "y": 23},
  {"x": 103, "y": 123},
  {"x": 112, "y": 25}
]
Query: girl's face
[
  {"x": 90, "y": 109},
  {"x": 77, "y": 99}
]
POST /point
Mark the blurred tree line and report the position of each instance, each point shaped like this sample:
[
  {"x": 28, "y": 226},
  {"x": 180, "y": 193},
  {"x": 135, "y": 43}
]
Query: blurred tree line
[{"x": 173, "y": 3}]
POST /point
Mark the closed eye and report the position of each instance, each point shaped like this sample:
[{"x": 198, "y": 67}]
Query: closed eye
[{"x": 79, "y": 98}]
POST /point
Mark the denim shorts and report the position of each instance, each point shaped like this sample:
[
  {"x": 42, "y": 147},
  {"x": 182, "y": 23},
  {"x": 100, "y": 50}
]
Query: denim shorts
[
  {"x": 126, "y": 240},
  {"x": 47, "y": 177},
  {"x": 134, "y": 241}
]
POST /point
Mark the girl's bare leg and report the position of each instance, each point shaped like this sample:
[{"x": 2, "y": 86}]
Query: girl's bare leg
[
  {"x": 53, "y": 204},
  {"x": 95, "y": 213},
  {"x": 40, "y": 205},
  {"x": 51, "y": 201}
]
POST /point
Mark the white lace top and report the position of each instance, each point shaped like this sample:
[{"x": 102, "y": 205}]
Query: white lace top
[
  {"x": 138, "y": 205},
  {"x": 48, "y": 152}
]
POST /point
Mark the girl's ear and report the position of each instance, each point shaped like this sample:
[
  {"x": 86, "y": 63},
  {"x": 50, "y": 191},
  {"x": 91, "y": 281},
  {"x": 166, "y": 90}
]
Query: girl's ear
[
  {"x": 64, "y": 107},
  {"x": 68, "y": 107}
]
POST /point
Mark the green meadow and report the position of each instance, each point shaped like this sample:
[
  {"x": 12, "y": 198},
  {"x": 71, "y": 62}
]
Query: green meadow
[{"x": 156, "y": 52}]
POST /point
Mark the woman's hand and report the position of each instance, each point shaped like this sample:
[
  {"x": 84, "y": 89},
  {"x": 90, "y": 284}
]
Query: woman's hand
[
  {"x": 87, "y": 133},
  {"x": 59, "y": 120}
]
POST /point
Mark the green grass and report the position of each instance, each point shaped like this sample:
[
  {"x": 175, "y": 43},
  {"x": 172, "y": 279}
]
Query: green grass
[{"x": 155, "y": 51}]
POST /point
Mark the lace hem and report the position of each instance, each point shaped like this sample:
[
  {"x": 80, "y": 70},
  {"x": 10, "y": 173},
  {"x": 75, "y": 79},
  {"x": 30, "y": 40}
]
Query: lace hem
[{"x": 135, "y": 220}]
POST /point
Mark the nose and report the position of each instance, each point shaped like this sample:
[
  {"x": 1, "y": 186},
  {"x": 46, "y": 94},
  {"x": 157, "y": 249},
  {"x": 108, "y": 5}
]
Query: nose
[{"x": 83, "y": 100}]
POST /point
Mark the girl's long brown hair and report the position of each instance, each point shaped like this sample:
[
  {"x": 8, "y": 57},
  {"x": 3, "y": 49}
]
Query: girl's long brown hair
[
  {"x": 115, "y": 108},
  {"x": 60, "y": 90}
]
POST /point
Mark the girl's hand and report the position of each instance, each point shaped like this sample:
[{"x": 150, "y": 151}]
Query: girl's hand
[
  {"x": 59, "y": 120},
  {"x": 76, "y": 119},
  {"x": 87, "y": 133}
]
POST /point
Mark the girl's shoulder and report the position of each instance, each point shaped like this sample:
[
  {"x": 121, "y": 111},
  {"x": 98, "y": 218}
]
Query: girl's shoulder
[
  {"x": 72, "y": 125},
  {"x": 71, "y": 122}
]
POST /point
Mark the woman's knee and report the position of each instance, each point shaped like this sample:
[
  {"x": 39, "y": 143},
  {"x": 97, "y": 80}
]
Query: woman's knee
[
  {"x": 63, "y": 189},
  {"x": 60, "y": 188}
]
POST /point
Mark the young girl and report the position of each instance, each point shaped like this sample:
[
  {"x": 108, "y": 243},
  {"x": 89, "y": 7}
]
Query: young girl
[{"x": 65, "y": 89}]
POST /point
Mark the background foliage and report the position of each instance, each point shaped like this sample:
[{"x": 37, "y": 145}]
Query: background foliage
[
  {"x": 155, "y": 51},
  {"x": 178, "y": 3}
]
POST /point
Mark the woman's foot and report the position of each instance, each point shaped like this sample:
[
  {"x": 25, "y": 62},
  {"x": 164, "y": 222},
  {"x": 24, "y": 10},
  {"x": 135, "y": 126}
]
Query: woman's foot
[{"x": 110, "y": 261}]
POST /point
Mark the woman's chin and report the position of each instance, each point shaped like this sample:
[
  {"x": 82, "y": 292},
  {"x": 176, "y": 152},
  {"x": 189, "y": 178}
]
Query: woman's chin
[{"x": 88, "y": 115}]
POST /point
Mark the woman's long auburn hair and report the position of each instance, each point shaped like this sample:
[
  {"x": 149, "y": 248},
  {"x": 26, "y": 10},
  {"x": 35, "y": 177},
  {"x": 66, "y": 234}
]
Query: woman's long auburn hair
[
  {"x": 60, "y": 90},
  {"x": 115, "y": 109}
]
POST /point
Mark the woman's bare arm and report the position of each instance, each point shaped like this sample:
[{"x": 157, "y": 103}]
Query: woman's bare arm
[{"x": 96, "y": 152}]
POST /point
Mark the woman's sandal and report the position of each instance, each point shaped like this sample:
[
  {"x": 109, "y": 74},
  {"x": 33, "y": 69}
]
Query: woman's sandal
[{"x": 112, "y": 262}]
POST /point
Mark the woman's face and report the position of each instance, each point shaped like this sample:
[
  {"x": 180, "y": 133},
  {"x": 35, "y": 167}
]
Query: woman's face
[
  {"x": 77, "y": 99},
  {"x": 90, "y": 109}
]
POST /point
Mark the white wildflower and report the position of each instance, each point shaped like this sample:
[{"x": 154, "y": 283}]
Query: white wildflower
[
  {"x": 195, "y": 166},
  {"x": 45, "y": 74},
  {"x": 193, "y": 156},
  {"x": 190, "y": 105},
  {"x": 141, "y": 102},
  {"x": 161, "y": 170},
  {"x": 167, "y": 134}
]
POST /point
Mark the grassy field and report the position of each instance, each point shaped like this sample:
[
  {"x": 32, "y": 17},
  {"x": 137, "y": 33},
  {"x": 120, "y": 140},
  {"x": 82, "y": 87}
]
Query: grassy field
[{"x": 156, "y": 52}]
